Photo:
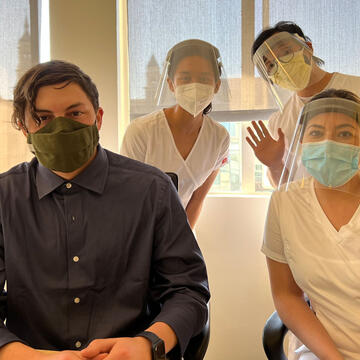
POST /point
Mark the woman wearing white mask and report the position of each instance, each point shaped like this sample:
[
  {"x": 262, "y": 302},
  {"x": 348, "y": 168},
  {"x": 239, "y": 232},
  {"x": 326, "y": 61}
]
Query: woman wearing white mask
[
  {"x": 311, "y": 237},
  {"x": 182, "y": 139}
]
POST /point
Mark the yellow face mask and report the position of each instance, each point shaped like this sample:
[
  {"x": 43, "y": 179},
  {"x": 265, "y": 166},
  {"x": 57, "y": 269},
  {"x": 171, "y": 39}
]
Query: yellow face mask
[{"x": 294, "y": 75}]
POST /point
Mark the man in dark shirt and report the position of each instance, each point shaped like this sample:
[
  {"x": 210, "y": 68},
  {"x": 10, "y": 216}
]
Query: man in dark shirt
[{"x": 95, "y": 248}]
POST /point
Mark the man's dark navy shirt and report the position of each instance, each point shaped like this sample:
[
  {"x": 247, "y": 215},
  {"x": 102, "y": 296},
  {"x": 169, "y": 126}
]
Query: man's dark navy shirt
[{"x": 97, "y": 256}]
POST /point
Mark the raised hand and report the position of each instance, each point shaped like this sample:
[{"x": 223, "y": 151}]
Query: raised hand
[{"x": 268, "y": 150}]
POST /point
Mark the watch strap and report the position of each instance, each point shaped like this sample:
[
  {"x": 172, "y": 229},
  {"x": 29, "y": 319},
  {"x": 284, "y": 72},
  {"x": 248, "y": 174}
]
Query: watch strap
[{"x": 157, "y": 345}]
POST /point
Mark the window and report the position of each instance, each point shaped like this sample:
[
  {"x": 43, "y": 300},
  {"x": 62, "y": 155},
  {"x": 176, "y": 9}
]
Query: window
[
  {"x": 154, "y": 26},
  {"x": 19, "y": 41}
]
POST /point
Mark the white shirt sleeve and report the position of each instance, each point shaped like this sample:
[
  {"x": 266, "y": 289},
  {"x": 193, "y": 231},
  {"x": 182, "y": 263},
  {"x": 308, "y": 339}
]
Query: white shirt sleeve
[
  {"x": 273, "y": 246},
  {"x": 224, "y": 152},
  {"x": 134, "y": 144}
]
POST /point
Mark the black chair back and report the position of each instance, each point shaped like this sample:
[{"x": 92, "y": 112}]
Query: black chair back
[
  {"x": 174, "y": 178},
  {"x": 273, "y": 338},
  {"x": 3, "y": 305},
  {"x": 198, "y": 345}
]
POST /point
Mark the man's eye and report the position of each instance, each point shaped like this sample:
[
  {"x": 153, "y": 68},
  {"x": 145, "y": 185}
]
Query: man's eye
[
  {"x": 76, "y": 113},
  {"x": 286, "y": 55},
  {"x": 287, "y": 51},
  {"x": 271, "y": 68},
  {"x": 44, "y": 118}
]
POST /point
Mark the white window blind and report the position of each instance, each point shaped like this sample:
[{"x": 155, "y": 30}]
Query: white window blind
[
  {"x": 232, "y": 25},
  {"x": 19, "y": 51}
]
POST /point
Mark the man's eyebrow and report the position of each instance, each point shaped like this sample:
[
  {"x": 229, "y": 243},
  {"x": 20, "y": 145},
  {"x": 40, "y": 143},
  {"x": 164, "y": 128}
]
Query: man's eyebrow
[
  {"x": 281, "y": 45},
  {"x": 74, "y": 105},
  {"x": 42, "y": 110},
  {"x": 68, "y": 108}
]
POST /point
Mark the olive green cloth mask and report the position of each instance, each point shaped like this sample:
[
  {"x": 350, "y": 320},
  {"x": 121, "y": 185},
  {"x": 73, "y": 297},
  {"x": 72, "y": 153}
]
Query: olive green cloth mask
[{"x": 64, "y": 144}]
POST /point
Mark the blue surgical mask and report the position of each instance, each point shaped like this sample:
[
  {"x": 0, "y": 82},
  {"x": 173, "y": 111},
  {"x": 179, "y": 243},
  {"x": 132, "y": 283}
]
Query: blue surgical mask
[{"x": 331, "y": 163}]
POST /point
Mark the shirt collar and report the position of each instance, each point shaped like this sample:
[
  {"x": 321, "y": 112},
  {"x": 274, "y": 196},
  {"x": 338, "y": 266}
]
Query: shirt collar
[{"x": 92, "y": 178}]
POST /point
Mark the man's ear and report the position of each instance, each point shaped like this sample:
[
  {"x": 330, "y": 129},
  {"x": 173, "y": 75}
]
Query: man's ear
[
  {"x": 309, "y": 44},
  {"x": 23, "y": 128},
  {"x": 171, "y": 85},
  {"x": 99, "y": 116}
]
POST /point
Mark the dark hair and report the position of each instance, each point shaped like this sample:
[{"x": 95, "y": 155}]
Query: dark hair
[
  {"x": 281, "y": 26},
  {"x": 49, "y": 73},
  {"x": 337, "y": 93},
  {"x": 207, "y": 52}
]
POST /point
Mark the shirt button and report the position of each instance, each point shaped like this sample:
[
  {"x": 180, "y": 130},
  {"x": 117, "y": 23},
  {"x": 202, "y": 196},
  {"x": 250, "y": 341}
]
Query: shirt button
[
  {"x": 76, "y": 259},
  {"x": 78, "y": 344},
  {"x": 76, "y": 300},
  {"x": 68, "y": 185}
]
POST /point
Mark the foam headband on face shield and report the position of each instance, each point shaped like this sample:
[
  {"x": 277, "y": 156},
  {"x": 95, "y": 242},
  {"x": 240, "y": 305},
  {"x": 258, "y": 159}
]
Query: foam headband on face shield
[
  {"x": 194, "y": 47},
  {"x": 330, "y": 105},
  {"x": 195, "y": 43},
  {"x": 266, "y": 47}
]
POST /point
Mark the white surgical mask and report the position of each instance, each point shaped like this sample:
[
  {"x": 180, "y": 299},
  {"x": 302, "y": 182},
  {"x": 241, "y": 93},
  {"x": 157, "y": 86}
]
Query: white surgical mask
[{"x": 194, "y": 97}]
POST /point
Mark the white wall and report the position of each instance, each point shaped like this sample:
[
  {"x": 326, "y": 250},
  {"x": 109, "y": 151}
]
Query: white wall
[
  {"x": 84, "y": 32},
  {"x": 229, "y": 233}
]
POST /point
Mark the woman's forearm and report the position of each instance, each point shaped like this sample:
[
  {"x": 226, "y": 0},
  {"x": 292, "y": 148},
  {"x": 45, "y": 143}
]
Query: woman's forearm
[
  {"x": 194, "y": 206},
  {"x": 298, "y": 317},
  {"x": 274, "y": 174},
  {"x": 193, "y": 211}
]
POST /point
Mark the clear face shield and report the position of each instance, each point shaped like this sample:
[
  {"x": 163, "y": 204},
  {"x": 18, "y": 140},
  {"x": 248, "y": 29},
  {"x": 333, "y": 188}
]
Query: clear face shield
[
  {"x": 193, "y": 77},
  {"x": 327, "y": 142},
  {"x": 285, "y": 62}
]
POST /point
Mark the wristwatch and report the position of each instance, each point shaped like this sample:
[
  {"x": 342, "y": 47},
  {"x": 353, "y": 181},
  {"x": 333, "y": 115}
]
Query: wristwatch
[{"x": 158, "y": 346}]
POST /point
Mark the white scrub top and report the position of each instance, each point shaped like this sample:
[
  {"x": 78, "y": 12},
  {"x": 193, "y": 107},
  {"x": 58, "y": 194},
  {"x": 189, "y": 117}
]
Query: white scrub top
[
  {"x": 287, "y": 119},
  {"x": 325, "y": 263},
  {"x": 150, "y": 140}
]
